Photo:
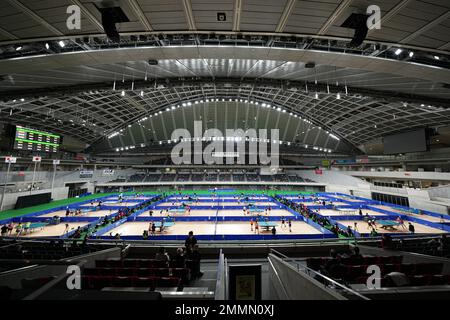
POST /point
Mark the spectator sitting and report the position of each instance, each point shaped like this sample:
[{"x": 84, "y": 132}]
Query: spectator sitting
[
  {"x": 162, "y": 255},
  {"x": 179, "y": 261},
  {"x": 396, "y": 279},
  {"x": 331, "y": 268}
]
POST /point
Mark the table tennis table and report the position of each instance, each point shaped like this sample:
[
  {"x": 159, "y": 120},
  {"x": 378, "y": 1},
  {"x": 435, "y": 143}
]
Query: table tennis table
[
  {"x": 167, "y": 224},
  {"x": 388, "y": 224},
  {"x": 267, "y": 224},
  {"x": 178, "y": 210},
  {"x": 347, "y": 210},
  {"x": 36, "y": 225},
  {"x": 257, "y": 210}
]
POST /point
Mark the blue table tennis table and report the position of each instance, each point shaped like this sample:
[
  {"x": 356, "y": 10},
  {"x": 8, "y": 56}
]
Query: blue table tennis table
[
  {"x": 36, "y": 225},
  {"x": 178, "y": 210},
  {"x": 256, "y": 210},
  {"x": 267, "y": 224},
  {"x": 167, "y": 224},
  {"x": 388, "y": 224}
]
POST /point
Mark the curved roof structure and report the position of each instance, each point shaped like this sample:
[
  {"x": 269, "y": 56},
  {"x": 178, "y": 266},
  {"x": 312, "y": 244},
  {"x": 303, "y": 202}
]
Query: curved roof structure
[{"x": 292, "y": 55}]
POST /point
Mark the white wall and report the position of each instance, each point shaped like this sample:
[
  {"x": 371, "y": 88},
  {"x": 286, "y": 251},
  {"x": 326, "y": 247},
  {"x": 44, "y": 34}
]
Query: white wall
[
  {"x": 427, "y": 175},
  {"x": 11, "y": 198}
]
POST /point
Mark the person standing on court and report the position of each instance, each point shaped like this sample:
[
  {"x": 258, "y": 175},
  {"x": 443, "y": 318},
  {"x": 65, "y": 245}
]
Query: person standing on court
[
  {"x": 190, "y": 241},
  {"x": 411, "y": 228}
]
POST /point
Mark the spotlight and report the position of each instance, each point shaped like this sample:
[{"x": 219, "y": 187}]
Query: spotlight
[
  {"x": 411, "y": 54},
  {"x": 61, "y": 44},
  {"x": 398, "y": 51},
  {"x": 436, "y": 57},
  {"x": 47, "y": 46},
  {"x": 18, "y": 48},
  {"x": 122, "y": 93}
]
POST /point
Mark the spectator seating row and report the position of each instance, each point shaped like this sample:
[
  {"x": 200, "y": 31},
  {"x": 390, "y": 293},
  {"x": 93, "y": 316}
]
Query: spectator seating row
[
  {"x": 315, "y": 263},
  {"x": 350, "y": 273},
  {"x": 182, "y": 273},
  {"x": 416, "y": 280},
  {"x": 100, "y": 282}
]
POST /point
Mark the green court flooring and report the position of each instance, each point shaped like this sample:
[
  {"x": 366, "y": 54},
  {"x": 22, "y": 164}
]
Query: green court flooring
[{"x": 8, "y": 214}]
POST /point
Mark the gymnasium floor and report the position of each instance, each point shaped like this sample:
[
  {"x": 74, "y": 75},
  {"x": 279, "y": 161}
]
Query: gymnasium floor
[
  {"x": 54, "y": 230},
  {"x": 111, "y": 203},
  {"x": 327, "y": 202},
  {"x": 355, "y": 212},
  {"x": 208, "y": 228},
  {"x": 363, "y": 227},
  {"x": 418, "y": 216},
  {"x": 62, "y": 213},
  {"x": 220, "y": 213},
  {"x": 212, "y": 204},
  {"x": 128, "y": 198}
]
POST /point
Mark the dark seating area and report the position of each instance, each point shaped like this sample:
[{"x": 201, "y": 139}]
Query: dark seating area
[
  {"x": 354, "y": 270},
  {"x": 137, "y": 177},
  {"x": 224, "y": 177},
  {"x": 149, "y": 273},
  {"x": 436, "y": 246},
  {"x": 253, "y": 177},
  {"x": 44, "y": 251},
  {"x": 168, "y": 177},
  {"x": 183, "y": 176},
  {"x": 211, "y": 177},
  {"x": 197, "y": 177},
  {"x": 152, "y": 177}
]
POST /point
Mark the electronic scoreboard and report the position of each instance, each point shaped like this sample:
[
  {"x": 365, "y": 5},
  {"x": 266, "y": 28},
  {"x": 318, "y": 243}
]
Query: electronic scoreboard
[{"x": 36, "y": 140}]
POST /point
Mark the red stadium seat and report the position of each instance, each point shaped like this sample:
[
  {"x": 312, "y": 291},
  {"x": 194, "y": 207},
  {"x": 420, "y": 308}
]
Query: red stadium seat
[
  {"x": 168, "y": 282},
  {"x": 125, "y": 272},
  {"x": 122, "y": 282},
  {"x": 130, "y": 263}
]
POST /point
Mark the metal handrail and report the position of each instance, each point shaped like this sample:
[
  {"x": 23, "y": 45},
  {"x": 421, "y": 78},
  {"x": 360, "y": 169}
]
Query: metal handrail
[
  {"x": 220, "y": 273},
  {"x": 315, "y": 273}
]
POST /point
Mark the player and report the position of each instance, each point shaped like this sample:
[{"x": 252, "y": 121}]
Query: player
[
  {"x": 283, "y": 223},
  {"x": 256, "y": 227},
  {"x": 290, "y": 225},
  {"x": 401, "y": 222},
  {"x": 251, "y": 225}
]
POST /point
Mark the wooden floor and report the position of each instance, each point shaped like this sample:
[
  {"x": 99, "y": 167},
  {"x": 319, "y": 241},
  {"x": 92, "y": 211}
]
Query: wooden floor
[
  {"x": 363, "y": 227},
  {"x": 329, "y": 212},
  {"x": 54, "y": 230},
  {"x": 208, "y": 228},
  {"x": 418, "y": 216}
]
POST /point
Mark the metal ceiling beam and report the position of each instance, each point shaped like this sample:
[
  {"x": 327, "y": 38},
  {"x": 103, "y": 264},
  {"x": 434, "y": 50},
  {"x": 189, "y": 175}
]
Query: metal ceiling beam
[
  {"x": 290, "y": 5},
  {"x": 335, "y": 15},
  {"x": 18, "y": 5},
  {"x": 140, "y": 14},
  {"x": 426, "y": 27},
  {"x": 89, "y": 15},
  {"x": 237, "y": 15},
  {"x": 189, "y": 14},
  {"x": 391, "y": 13},
  {"x": 8, "y": 34}
]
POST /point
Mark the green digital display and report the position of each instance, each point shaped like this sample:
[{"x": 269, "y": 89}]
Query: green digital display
[{"x": 36, "y": 140}]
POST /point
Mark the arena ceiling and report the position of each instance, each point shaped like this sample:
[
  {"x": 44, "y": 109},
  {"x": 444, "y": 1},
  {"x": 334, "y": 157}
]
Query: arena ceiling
[{"x": 175, "y": 51}]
